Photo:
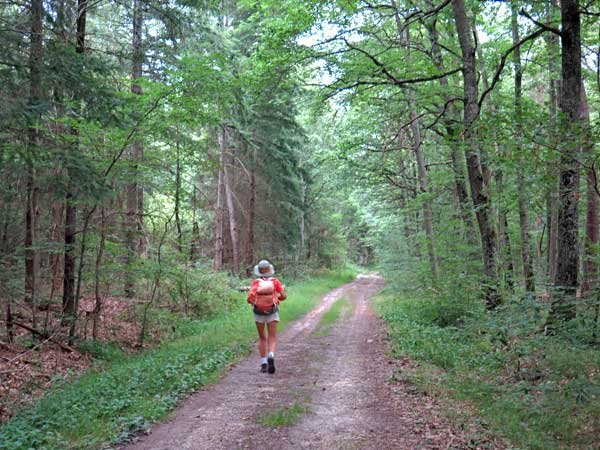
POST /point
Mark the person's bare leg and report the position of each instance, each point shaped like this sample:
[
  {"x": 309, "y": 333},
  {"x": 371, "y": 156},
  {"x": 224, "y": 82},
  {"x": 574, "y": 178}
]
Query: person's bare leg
[
  {"x": 262, "y": 340},
  {"x": 272, "y": 326}
]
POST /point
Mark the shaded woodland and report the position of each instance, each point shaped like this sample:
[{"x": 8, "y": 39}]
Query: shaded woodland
[{"x": 152, "y": 151}]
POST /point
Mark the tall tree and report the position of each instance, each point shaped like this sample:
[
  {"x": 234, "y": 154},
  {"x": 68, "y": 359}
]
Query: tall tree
[
  {"x": 35, "y": 98},
  {"x": 135, "y": 198},
  {"x": 479, "y": 189},
  {"x": 563, "y": 305},
  {"x": 528, "y": 272}
]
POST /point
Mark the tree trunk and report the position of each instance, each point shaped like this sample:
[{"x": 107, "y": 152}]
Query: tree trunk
[
  {"x": 178, "y": 200},
  {"x": 505, "y": 247},
  {"x": 420, "y": 158},
  {"x": 195, "y": 242},
  {"x": 250, "y": 245},
  {"x": 592, "y": 231},
  {"x": 451, "y": 135},
  {"x": 71, "y": 292},
  {"x": 528, "y": 273},
  {"x": 135, "y": 198},
  {"x": 479, "y": 189},
  {"x": 552, "y": 46},
  {"x": 98, "y": 297},
  {"x": 233, "y": 228},
  {"x": 563, "y": 305},
  {"x": 219, "y": 214},
  {"x": 423, "y": 184},
  {"x": 35, "y": 97}
]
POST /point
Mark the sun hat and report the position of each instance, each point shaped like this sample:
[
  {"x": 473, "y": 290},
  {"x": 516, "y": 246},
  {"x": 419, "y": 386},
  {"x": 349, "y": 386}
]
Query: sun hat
[{"x": 264, "y": 269}]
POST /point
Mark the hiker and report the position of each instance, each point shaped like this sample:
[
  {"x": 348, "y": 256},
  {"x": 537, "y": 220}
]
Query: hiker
[{"x": 265, "y": 294}]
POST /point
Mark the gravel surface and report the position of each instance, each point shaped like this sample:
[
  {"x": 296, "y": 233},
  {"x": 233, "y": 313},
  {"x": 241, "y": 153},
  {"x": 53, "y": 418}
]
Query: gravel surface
[{"x": 339, "y": 377}]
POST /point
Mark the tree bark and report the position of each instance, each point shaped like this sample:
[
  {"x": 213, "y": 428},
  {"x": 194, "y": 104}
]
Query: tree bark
[
  {"x": 479, "y": 189},
  {"x": 528, "y": 272},
  {"x": 250, "y": 245},
  {"x": 563, "y": 305},
  {"x": 135, "y": 198},
  {"x": 451, "y": 135},
  {"x": 35, "y": 97},
  {"x": 178, "y": 200},
  {"x": 552, "y": 46},
  {"x": 420, "y": 158},
  {"x": 219, "y": 214},
  {"x": 98, "y": 297},
  {"x": 71, "y": 293},
  {"x": 592, "y": 230},
  {"x": 195, "y": 242},
  {"x": 505, "y": 246},
  {"x": 233, "y": 227}
]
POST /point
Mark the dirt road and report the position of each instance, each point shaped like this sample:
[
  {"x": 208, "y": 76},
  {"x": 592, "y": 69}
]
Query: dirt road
[{"x": 337, "y": 380}]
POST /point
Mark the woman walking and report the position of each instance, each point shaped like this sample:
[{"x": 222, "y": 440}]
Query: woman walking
[{"x": 265, "y": 294}]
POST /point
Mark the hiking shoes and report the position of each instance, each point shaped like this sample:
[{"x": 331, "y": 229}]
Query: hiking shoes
[
  {"x": 271, "y": 364},
  {"x": 263, "y": 368}
]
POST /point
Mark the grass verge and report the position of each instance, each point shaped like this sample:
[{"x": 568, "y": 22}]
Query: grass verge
[
  {"x": 539, "y": 392},
  {"x": 283, "y": 417},
  {"x": 339, "y": 308},
  {"x": 108, "y": 406}
]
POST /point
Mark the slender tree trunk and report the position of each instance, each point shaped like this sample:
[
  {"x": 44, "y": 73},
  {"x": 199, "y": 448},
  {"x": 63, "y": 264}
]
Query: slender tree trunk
[
  {"x": 528, "y": 272},
  {"x": 195, "y": 243},
  {"x": 69, "y": 258},
  {"x": 451, "y": 135},
  {"x": 563, "y": 305},
  {"x": 250, "y": 246},
  {"x": 552, "y": 46},
  {"x": 178, "y": 200},
  {"x": 9, "y": 321},
  {"x": 592, "y": 231},
  {"x": 479, "y": 189},
  {"x": 135, "y": 198},
  {"x": 505, "y": 247},
  {"x": 99, "y": 256},
  {"x": 35, "y": 97},
  {"x": 233, "y": 227},
  {"x": 71, "y": 292},
  {"x": 420, "y": 158},
  {"x": 423, "y": 184},
  {"x": 219, "y": 214}
]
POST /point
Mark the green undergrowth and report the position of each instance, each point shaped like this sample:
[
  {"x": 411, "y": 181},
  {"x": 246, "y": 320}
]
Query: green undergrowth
[
  {"x": 539, "y": 392},
  {"x": 283, "y": 417},
  {"x": 112, "y": 402},
  {"x": 339, "y": 308}
]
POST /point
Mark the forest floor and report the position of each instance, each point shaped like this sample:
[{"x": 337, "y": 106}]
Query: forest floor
[
  {"x": 29, "y": 368},
  {"x": 334, "y": 388}
]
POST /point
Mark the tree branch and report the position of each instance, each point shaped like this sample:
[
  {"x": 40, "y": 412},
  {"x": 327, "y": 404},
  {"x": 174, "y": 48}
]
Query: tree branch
[
  {"x": 543, "y": 26},
  {"x": 505, "y": 55}
]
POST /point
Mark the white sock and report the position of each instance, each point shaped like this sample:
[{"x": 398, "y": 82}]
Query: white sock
[
  {"x": 271, "y": 355},
  {"x": 263, "y": 360}
]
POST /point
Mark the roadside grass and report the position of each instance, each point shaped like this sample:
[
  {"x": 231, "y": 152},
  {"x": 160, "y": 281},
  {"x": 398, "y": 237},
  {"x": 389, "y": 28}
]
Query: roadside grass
[
  {"x": 108, "y": 406},
  {"x": 283, "y": 417},
  {"x": 539, "y": 392},
  {"x": 339, "y": 308}
]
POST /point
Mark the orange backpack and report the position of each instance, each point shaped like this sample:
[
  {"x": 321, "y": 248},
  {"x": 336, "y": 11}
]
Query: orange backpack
[{"x": 266, "y": 297}]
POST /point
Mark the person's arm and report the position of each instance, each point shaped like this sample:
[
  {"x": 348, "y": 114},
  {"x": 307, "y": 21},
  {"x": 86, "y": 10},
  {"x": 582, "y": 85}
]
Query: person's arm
[
  {"x": 279, "y": 289},
  {"x": 252, "y": 292}
]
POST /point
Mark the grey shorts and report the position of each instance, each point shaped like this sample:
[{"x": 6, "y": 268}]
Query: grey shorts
[{"x": 266, "y": 319}]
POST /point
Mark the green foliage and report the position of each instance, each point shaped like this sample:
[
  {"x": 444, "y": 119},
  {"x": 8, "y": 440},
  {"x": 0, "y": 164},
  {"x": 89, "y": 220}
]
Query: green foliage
[{"x": 540, "y": 392}]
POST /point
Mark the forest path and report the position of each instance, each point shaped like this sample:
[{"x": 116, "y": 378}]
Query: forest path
[{"x": 337, "y": 378}]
